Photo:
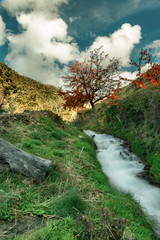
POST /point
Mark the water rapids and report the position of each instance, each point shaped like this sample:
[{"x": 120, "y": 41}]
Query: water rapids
[{"x": 122, "y": 168}]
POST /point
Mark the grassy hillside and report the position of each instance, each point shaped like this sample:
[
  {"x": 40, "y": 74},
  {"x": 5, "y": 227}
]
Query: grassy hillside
[
  {"x": 75, "y": 200},
  {"x": 19, "y": 93},
  {"x": 137, "y": 120}
]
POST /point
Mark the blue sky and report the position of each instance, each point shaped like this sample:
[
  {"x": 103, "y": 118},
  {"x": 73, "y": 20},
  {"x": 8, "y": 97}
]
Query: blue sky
[{"x": 40, "y": 38}]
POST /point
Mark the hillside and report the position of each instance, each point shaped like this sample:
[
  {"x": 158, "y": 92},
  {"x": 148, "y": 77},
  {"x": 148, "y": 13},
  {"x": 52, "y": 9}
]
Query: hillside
[
  {"x": 19, "y": 93},
  {"x": 136, "y": 119},
  {"x": 75, "y": 201}
]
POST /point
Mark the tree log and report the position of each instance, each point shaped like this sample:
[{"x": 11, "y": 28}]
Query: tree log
[{"x": 21, "y": 162}]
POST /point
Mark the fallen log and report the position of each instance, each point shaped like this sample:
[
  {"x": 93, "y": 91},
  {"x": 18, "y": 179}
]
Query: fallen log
[{"x": 22, "y": 162}]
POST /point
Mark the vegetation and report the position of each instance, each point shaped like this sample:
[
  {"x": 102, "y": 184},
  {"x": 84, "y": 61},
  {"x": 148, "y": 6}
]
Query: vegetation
[
  {"x": 75, "y": 201},
  {"x": 19, "y": 93},
  {"x": 75, "y": 195},
  {"x": 136, "y": 120},
  {"x": 135, "y": 117},
  {"x": 92, "y": 81}
]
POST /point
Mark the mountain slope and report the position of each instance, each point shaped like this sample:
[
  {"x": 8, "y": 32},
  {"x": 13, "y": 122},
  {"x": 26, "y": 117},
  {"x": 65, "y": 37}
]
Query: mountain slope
[
  {"x": 19, "y": 93},
  {"x": 137, "y": 120}
]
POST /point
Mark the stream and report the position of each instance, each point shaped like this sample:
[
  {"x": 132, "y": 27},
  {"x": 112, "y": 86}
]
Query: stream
[{"x": 122, "y": 168}]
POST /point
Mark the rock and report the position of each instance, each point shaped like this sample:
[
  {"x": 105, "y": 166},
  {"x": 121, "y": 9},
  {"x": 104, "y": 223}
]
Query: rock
[
  {"x": 125, "y": 155},
  {"x": 21, "y": 162},
  {"x": 22, "y": 228},
  {"x": 144, "y": 174},
  {"x": 147, "y": 167}
]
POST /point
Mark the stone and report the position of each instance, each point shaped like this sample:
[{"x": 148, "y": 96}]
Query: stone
[{"x": 22, "y": 162}]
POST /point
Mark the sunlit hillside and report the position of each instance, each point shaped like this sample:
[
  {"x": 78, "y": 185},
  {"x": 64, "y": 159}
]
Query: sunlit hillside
[{"x": 19, "y": 93}]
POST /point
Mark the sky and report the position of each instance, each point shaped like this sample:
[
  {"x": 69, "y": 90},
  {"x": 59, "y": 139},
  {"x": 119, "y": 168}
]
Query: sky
[{"x": 41, "y": 38}]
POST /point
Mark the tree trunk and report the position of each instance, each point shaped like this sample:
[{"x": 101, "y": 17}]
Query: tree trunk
[
  {"x": 21, "y": 162},
  {"x": 95, "y": 113}
]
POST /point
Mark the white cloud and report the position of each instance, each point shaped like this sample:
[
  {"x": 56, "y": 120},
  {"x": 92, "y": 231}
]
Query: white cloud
[
  {"x": 35, "y": 51},
  {"x": 48, "y": 7},
  {"x": 121, "y": 43},
  {"x": 155, "y": 46},
  {"x": 2, "y": 31},
  {"x": 43, "y": 42},
  {"x": 145, "y": 68},
  {"x": 43, "y": 47},
  {"x": 129, "y": 75},
  {"x": 34, "y": 66},
  {"x": 38, "y": 25}
]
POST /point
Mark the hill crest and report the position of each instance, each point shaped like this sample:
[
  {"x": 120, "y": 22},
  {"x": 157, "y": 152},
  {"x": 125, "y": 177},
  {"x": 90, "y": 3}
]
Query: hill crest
[{"x": 19, "y": 93}]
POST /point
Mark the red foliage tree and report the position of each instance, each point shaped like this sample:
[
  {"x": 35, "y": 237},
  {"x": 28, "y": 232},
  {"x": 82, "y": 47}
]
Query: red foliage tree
[
  {"x": 91, "y": 81},
  {"x": 151, "y": 78},
  {"x": 145, "y": 58}
]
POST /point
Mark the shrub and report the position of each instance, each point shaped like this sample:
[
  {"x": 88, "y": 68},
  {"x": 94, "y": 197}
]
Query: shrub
[
  {"x": 101, "y": 225},
  {"x": 69, "y": 204}
]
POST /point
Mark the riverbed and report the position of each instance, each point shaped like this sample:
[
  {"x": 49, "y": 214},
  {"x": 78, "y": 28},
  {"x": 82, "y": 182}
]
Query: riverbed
[{"x": 123, "y": 169}]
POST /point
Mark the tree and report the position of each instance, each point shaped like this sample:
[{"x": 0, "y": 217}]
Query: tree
[
  {"x": 150, "y": 78},
  {"x": 144, "y": 59},
  {"x": 91, "y": 81}
]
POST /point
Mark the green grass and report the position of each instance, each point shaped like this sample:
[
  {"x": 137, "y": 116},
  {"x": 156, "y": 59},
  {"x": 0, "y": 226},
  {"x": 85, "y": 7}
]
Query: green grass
[
  {"x": 52, "y": 231},
  {"x": 74, "y": 182},
  {"x": 136, "y": 120},
  {"x": 68, "y": 204}
]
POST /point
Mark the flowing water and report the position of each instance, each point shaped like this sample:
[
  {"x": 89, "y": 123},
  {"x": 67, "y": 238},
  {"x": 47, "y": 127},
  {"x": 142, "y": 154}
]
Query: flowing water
[{"x": 122, "y": 167}]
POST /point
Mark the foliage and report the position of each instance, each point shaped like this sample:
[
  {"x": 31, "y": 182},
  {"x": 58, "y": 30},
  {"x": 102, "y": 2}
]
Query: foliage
[
  {"x": 105, "y": 228},
  {"x": 136, "y": 119},
  {"x": 74, "y": 182},
  {"x": 151, "y": 78},
  {"x": 7, "y": 201},
  {"x": 68, "y": 204},
  {"x": 91, "y": 81},
  {"x": 145, "y": 58}
]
